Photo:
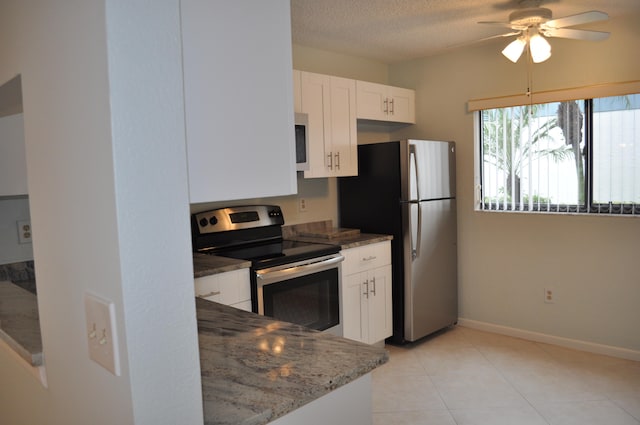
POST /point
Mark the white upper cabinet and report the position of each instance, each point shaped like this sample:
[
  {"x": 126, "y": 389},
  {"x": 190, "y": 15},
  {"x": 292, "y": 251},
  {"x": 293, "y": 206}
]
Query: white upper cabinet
[
  {"x": 330, "y": 103},
  {"x": 13, "y": 161},
  {"x": 238, "y": 99},
  {"x": 385, "y": 103}
]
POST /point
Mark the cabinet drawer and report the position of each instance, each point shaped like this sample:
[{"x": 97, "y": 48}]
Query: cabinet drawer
[
  {"x": 366, "y": 257},
  {"x": 225, "y": 288}
]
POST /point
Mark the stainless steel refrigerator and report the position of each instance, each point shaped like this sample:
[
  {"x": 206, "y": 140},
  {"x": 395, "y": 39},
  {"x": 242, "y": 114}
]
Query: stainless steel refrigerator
[{"x": 407, "y": 189}]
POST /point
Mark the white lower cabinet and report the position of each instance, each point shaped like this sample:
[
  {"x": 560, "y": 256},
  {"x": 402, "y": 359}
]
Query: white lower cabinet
[
  {"x": 366, "y": 293},
  {"x": 231, "y": 288}
]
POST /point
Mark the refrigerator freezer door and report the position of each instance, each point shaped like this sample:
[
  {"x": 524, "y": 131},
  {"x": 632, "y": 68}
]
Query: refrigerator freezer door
[
  {"x": 431, "y": 169},
  {"x": 431, "y": 284}
]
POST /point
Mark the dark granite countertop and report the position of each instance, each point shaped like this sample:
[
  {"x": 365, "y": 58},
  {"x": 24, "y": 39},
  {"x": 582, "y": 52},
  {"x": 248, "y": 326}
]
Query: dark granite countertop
[
  {"x": 205, "y": 265},
  {"x": 324, "y": 232},
  {"x": 346, "y": 242},
  {"x": 19, "y": 322},
  {"x": 256, "y": 369}
]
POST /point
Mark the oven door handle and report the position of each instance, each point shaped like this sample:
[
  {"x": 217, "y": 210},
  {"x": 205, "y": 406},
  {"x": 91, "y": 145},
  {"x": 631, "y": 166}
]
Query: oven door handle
[{"x": 298, "y": 269}]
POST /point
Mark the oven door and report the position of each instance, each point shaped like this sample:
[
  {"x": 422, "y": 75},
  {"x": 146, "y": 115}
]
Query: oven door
[{"x": 306, "y": 293}]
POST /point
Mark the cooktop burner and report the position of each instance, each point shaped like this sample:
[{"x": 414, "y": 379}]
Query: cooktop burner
[
  {"x": 274, "y": 254},
  {"x": 253, "y": 233}
]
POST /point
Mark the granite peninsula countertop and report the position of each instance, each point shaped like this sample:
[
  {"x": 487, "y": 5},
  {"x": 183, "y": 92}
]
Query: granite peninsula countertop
[
  {"x": 256, "y": 369},
  {"x": 19, "y": 322},
  {"x": 205, "y": 265}
]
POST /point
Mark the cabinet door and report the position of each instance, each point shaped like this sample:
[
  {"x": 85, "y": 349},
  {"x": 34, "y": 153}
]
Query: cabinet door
[
  {"x": 402, "y": 105},
  {"x": 229, "y": 288},
  {"x": 238, "y": 99},
  {"x": 315, "y": 97},
  {"x": 13, "y": 161},
  {"x": 344, "y": 138},
  {"x": 379, "y": 308},
  {"x": 385, "y": 103},
  {"x": 354, "y": 313},
  {"x": 330, "y": 104},
  {"x": 371, "y": 101}
]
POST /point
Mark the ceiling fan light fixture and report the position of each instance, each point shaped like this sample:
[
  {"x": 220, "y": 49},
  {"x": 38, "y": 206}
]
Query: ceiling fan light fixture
[
  {"x": 540, "y": 48},
  {"x": 514, "y": 50}
]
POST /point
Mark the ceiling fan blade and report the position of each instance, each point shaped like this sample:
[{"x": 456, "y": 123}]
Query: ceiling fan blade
[
  {"x": 509, "y": 34},
  {"x": 481, "y": 40},
  {"x": 495, "y": 23},
  {"x": 580, "y": 18},
  {"x": 505, "y": 25},
  {"x": 575, "y": 34}
]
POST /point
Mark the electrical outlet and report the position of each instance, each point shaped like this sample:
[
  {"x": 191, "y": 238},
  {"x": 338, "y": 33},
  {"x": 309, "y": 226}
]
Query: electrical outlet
[
  {"x": 302, "y": 205},
  {"x": 101, "y": 332},
  {"x": 549, "y": 295},
  {"x": 24, "y": 231}
]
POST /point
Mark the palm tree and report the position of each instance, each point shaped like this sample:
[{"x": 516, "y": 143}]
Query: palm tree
[
  {"x": 570, "y": 119},
  {"x": 512, "y": 139}
]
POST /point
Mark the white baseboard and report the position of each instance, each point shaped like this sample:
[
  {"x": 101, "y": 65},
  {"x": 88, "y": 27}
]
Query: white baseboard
[{"x": 591, "y": 347}]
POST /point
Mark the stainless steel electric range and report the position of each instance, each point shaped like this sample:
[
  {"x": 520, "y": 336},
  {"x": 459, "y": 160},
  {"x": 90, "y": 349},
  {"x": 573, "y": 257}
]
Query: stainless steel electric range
[{"x": 293, "y": 281}]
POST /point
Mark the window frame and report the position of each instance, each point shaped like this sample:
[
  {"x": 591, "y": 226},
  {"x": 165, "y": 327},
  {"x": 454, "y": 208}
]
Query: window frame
[{"x": 588, "y": 208}]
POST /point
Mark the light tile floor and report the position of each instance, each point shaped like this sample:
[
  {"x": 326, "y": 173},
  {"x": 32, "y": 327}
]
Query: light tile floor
[{"x": 464, "y": 376}]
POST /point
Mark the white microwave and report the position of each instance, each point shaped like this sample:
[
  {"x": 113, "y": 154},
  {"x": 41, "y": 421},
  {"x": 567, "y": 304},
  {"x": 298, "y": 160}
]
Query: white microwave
[{"x": 302, "y": 141}]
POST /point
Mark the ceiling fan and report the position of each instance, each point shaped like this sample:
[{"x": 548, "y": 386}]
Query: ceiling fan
[{"x": 532, "y": 24}]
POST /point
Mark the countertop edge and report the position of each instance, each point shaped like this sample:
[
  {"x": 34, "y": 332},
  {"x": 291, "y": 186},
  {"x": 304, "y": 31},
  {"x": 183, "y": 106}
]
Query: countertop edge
[
  {"x": 346, "y": 243},
  {"x": 23, "y": 333}
]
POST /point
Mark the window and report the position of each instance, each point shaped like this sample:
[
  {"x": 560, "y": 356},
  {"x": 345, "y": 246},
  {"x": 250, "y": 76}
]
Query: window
[{"x": 576, "y": 157}]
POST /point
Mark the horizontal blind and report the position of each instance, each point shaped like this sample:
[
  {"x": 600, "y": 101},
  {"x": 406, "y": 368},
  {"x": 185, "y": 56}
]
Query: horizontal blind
[
  {"x": 616, "y": 154},
  {"x": 566, "y": 157}
]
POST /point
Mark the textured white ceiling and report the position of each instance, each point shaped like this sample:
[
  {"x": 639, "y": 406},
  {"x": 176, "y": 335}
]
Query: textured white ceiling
[{"x": 396, "y": 30}]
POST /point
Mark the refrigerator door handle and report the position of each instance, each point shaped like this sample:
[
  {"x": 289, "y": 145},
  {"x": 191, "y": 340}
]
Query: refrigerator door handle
[
  {"x": 415, "y": 175},
  {"x": 417, "y": 249},
  {"x": 416, "y": 229}
]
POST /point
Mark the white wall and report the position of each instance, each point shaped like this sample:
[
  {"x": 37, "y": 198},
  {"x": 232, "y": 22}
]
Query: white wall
[
  {"x": 505, "y": 260},
  {"x": 104, "y": 134}
]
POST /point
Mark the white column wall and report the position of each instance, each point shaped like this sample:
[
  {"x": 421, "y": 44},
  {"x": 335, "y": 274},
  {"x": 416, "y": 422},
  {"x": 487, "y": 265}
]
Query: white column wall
[{"x": 105, "y": 148}]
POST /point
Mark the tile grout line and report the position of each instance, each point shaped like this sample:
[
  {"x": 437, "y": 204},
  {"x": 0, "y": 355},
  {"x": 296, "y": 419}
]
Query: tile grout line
[{"x": 544, "y": 418}]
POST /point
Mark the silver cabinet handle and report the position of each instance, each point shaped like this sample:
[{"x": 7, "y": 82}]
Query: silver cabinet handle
[
  {"x": 373, "y": 281},
  {"x": 337, "y": 155},
  {"x": 369, "y": 258},
  {"x": 210, "y": 294},
  {"x": 366, "y": 285},
  {"x": 330, "y": 156},
  {"x": 392, "y": 109},
  {"x": 386, "y": 106}
]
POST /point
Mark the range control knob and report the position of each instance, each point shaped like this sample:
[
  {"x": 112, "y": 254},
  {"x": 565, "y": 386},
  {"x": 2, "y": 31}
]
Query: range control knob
[
  {"x": 213, "y": 220},
  {"x": 203, "y": 222}
]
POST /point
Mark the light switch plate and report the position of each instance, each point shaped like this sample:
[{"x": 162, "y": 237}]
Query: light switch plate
[{"x": 101, "y": 332}]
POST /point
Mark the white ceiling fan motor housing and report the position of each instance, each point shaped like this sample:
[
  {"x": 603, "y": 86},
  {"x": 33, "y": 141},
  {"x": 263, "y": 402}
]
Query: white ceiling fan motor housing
[{"x": 529, "y": 17}]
